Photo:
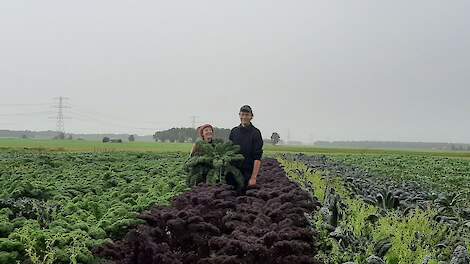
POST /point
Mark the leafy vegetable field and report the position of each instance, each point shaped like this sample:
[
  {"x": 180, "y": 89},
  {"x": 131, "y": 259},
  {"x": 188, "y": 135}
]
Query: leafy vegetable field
[
  {"x": 436, "y": 173},
  {"x": 212, "y": 224},
  {"x": 134, "y": 207},
  {"x": 56, "y": 207},
  {"x": 388, "y": 208}
]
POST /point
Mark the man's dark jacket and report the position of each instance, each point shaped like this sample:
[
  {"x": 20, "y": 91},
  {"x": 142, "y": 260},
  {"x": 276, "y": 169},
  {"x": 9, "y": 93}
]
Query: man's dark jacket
[{"x": 251, "y": 146}]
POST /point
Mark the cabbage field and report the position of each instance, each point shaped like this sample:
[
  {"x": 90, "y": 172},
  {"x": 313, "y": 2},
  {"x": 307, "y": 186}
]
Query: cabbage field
[
  {"x": 136, "y": 207},
  {"x": 56, "y": 207},
  {"x": 388, "y": 208},
  {"x": 213, "y": 224}
]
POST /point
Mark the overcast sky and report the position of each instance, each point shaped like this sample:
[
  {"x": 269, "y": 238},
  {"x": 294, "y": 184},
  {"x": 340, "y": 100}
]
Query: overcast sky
[{"x": 323, "y": 70}]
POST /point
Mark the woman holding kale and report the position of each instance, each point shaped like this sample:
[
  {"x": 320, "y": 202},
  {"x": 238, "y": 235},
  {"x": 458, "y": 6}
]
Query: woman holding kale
[{"x": 214, "y": 161}]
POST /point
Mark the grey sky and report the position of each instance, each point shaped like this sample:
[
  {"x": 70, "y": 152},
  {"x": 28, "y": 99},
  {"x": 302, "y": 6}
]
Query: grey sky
[{"x": 328, "y": 70}]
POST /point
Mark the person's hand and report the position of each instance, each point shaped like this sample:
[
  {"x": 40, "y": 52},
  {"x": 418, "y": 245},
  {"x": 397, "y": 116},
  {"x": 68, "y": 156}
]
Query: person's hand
[{"x": 252, "y": 182}]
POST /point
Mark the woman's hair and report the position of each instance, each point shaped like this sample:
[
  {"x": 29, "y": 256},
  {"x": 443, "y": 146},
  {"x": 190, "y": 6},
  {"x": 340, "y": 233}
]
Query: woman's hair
[{"x": 201, "y": 128}]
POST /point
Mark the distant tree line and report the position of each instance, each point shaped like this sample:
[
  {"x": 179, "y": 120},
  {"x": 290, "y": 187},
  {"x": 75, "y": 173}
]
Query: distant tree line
[
  {"x": 394, "y": 145},
  {"x": 60, "y": 135},
  {"x": 111, "y": 140},
  {"x": 184, "y": 134},
  {"x": 28, "y": 134}
]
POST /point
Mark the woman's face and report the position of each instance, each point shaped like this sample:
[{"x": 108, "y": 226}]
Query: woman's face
[{"x": 207, "y": 134}]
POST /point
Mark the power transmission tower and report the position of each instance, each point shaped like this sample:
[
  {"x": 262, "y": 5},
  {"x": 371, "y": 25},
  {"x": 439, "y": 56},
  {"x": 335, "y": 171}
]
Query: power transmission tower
[
  {"x": 193, "y": 121},
  {"x": 60, "y": 113}
]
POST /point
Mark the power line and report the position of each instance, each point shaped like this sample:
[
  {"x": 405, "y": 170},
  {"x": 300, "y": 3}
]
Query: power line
[
  {"x": 114, "y": 117},
  {"x": 27, "y": 113},
  {"x": 38, "y": 104},
  {"x": 86, "y": 117},
  {"x": 115, "y": 125}
]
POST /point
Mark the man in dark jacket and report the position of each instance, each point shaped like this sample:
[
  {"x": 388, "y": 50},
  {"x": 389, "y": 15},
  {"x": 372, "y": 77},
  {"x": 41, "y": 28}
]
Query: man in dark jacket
[{"x": 250, "y": 141}]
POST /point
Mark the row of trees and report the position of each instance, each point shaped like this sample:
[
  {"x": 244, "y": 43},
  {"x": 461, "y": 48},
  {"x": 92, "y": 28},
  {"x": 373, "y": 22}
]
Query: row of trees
[
  {"x": 190, "y": 135},
  {"x": 459, "y": 147},
  {"x": 173, "y": 135},
  {"x": 394, "y": 145},
  {"x": 131, "y": 138},
  {"x": 60, "y": 135},
  {"x": 187, "y": 134}
]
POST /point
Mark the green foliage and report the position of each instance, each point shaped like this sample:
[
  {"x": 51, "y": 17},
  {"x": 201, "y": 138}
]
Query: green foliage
[
  {"x": 5, "y": 228},
  {"x": 275, "y": 138},
  {"x": 56, "y": 207},
  {"x": 440, "y": 174},
  {"x": 8, "y": 257},
  {"x": 212, "y": 163},
  {"x": 413, "y": 237}
]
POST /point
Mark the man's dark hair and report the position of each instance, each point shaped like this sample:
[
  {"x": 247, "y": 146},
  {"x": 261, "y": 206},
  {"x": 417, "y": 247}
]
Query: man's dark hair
[{"x": 246, "y": 109}]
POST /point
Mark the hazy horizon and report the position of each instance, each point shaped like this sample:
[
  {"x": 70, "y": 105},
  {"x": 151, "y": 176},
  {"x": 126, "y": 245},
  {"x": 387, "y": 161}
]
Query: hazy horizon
[{"x": 313, "y": 70}]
